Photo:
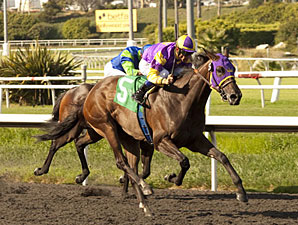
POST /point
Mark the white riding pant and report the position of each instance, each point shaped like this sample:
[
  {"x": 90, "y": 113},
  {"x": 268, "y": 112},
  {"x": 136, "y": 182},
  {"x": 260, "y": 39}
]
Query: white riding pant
[
  {"x": 144, "y": 67},
  {"x": 110, "y": 71}
]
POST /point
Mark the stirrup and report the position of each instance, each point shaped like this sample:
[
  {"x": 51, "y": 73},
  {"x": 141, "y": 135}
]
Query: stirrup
[{"x": 139, "y": 101}]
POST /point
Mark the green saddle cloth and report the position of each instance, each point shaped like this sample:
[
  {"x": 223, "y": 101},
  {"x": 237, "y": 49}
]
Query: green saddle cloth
[{"x": 127, "y": 86}]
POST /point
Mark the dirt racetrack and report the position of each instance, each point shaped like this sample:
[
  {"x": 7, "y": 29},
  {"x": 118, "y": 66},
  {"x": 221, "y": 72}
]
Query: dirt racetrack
[{"x": 39, "y": 204}]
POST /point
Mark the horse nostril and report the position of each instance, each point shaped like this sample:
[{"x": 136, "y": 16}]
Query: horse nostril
[{"x": 233, "y": 97}]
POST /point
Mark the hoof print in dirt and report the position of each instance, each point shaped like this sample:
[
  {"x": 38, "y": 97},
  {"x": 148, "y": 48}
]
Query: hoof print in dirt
[{"x": 95, "y": 192}]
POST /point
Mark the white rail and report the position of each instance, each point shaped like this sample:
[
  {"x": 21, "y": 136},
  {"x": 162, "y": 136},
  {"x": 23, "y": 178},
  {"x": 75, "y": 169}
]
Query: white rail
[
  {"x": 268, "y": 86},
  {"x": 52, "y": 87},
  {"x": 213, "y": 124},
  {"x": 267, "y": 74},
  {"x": 75, "y": 42},
  {"x": 277, "y": 75},
  {"x": 245, "y": 124}
]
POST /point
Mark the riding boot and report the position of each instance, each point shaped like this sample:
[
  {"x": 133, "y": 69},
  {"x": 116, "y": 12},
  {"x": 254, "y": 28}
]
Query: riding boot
[{"x": 139, "y": 95}]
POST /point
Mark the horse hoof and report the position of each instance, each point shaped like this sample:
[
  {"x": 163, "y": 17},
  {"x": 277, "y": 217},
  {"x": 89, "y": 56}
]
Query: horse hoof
[
  {"x": 170, "y": 177},
  {"x": 37, "y": 172},
  {"x": 147, "y": 213},
  {"x": 79, "y": 179},
  {"x": 146, "y": 210},
  {"x": 147, "y": 191},
  {"x": 241, "y": 197},
  {"x": 121, "y": 180}
]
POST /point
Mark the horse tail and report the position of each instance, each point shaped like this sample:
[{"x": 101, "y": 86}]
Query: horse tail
[
  {"x": 55, "y": 112},
  {"x": 53, "y": 127},
  {"x": 57, "y": 129}
]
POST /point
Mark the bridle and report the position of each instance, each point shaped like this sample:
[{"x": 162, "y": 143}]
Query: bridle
[{"x": 219, "y": 87}]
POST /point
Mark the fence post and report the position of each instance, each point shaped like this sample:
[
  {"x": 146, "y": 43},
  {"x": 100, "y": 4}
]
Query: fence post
[
  {"x": 213, "y": 165},
  {"x": 213, "y": 140},
  {"x": 52, "y": 93},
  {"x": 84, "y": 73},
  {"x": 85, "y": 182},
  {"x": 275, "y": 92},
  {"x": 1, "y": 100},
  {"x": 262, "y": 93},
  {"x": 7, "y": 98}
]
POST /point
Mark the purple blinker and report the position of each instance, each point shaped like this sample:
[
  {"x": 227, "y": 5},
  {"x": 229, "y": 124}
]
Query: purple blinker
[{"x": 224, "y": 62}]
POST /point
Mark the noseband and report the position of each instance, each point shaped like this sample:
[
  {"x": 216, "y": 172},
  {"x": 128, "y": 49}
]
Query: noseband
[{"x": 218, "y": 88}]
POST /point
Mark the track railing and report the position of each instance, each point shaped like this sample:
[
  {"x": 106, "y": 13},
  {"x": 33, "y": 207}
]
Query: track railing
[
  {"x": 213, "y": 124},
  {"x": 75, "y": 42}
]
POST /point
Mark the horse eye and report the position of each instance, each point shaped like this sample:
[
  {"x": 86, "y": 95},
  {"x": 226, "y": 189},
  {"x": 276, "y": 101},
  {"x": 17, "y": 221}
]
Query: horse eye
[{"x": 220, "y": 71}]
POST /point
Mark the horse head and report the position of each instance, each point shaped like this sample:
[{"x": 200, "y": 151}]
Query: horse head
[{"x": 222, "y": 75}]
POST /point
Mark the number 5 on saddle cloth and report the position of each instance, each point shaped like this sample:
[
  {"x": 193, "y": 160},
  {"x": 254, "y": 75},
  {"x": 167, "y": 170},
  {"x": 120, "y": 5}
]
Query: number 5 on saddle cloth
[{"x": 126, "y": 86}]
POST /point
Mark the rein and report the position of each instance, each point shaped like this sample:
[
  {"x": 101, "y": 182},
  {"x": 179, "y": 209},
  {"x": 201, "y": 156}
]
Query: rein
[
  {"x": 218, "y": 88},
  {"x": 202, "y": 77}
]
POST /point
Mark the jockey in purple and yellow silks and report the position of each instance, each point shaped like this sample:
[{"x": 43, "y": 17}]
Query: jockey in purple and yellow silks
[
  {"x": 160, "y": 60},
  {"x": 126, "y": 63}
]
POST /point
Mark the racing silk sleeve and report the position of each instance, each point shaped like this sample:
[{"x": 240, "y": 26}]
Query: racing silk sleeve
[
  {"x": 163, "y": 59},
  {"x": 127, "y": 62}
]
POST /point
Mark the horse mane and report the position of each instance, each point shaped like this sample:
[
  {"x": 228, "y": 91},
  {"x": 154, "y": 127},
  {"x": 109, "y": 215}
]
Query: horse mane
[{"x": 198, "y": 59}]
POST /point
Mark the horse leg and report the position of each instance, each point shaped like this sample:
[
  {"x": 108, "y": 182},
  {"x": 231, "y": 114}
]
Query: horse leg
[
  {"x": 132, "y": 150},
  {"x": 110, "y": 133},
  {"x": 55, "y": 145},
  {"x": 146, "y": 157},
  {"x": 167, "y": 147},
  {"x": 204, "y": 146},
  {"x": 45, "y": 168},
  {"x": 133, "y": 161},
  {"x": 88, "y": 138}
]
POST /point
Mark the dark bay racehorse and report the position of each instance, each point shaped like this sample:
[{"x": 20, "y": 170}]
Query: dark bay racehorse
[
  {"x": 68, "y": 124},
  {"x": 175, "y": 115}
]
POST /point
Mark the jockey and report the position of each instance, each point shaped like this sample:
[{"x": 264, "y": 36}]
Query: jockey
[
  {"x": 126, "y": 63},
  {"x": 160, "y": 60}
]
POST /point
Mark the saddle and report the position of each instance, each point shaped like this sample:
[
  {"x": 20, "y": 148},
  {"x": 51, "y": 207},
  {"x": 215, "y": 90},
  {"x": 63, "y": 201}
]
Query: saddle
[{"x": 126, "y": 86}]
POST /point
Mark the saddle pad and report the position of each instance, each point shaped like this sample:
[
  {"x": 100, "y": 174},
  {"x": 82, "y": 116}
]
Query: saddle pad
[{"x": 126, "y": 86}]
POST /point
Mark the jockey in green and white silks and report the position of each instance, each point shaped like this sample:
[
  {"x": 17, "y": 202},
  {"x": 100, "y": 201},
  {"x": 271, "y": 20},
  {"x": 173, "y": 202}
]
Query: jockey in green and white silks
[
  {"x": 126, "y": 63},
  {"x": 160, "y": 60}
]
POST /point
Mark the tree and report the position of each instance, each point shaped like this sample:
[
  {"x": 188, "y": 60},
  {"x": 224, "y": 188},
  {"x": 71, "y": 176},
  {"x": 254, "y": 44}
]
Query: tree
[
  {"x": 40, "y": 62},
  {"x": 255, "y": 3},
  {"x": 213, "y": 35},
  {"x": 86, "y": 4},
  {"x": 41, "y": 31},
  {"x": 51, "y": 9},
  {"x": 288, "y": 33},
  {"x": 76, "y": 28},
  {"x": 19, "y": 25}
]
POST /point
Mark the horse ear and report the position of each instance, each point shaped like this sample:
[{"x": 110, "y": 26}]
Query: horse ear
[
  {"x": 226, "y": 52},
  {"x": 211, "y": 55}
]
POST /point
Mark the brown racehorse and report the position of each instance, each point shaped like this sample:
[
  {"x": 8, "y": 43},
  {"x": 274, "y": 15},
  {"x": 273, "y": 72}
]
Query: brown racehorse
[
  {"x": 175, "y": 114},
  {"x": 68, "y": 123}
]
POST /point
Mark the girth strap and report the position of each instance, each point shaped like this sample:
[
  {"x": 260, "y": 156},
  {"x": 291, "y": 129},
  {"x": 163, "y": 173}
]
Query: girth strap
[{"x": 143, "y": 124}]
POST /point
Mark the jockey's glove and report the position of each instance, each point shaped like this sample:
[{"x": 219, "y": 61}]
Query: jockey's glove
[{"x": 168, "y": 80}]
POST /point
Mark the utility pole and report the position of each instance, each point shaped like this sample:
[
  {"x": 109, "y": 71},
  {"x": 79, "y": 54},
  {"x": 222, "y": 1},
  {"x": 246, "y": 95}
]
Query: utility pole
[
  {"x": 190, "y": 18},
  {"x": 5, "y": 44},
  {"x": 176, "y": 15},
  {"x": 130, "y": 41},
  {"x": 218, "y": 8},
  {"x": 199, "y": 9},
  {"x": 160, "y": 21},
  {"x": 165, "y": 22}
]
